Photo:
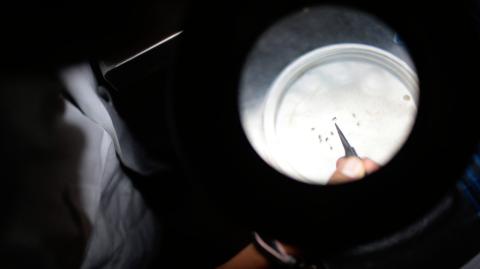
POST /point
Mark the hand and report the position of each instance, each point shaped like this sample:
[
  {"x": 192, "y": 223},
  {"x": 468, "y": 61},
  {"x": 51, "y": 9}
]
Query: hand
[
  {"x": 250, "y": 258},
  {"x": 352, "y": 168}
]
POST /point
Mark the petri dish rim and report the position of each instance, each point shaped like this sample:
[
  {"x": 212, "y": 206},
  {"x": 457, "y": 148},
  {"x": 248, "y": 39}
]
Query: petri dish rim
[{"x": 313, "y": 59}]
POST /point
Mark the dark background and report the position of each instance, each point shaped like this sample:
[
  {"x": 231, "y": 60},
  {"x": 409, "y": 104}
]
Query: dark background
[{"x": 217, "y": 189}]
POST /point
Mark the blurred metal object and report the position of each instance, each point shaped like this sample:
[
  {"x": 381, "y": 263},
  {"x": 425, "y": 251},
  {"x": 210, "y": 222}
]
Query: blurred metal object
[
  {"x": 133, "y": 68},
  {"x": 105, "y": 67}
]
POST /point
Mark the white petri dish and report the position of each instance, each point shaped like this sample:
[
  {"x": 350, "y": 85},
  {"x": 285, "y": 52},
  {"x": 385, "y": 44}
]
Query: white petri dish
[{"x": 370, "y": 93}]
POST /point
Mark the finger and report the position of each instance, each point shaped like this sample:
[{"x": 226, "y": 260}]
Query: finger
[
  {"x": 370, "y": 166},
  {"x": 348, "y": 169}
]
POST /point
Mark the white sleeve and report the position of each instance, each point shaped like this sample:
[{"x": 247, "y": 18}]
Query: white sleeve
[{"x": 123, "y": 229}]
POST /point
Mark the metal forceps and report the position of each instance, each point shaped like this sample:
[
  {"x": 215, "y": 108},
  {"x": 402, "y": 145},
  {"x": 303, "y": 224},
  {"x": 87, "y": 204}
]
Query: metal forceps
[{"x": 349, "y": 150}]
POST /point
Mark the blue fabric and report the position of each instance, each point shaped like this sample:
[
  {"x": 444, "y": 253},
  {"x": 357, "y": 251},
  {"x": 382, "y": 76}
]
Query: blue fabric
[{"x": 469, "y": 185}]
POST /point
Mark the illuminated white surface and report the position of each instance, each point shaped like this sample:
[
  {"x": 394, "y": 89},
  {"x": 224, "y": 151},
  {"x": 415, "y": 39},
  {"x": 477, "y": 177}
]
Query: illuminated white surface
[{"x": 372, "y": 106}]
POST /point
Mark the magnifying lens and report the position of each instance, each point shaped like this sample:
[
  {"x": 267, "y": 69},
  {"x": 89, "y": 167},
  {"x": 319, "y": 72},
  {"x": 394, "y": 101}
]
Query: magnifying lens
[
  {"x": 255, "y": 106},
  {"x": 322, "y": 67}
]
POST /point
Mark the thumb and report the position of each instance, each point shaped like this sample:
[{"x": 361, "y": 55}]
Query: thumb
[{"x": 348, "y": 169}]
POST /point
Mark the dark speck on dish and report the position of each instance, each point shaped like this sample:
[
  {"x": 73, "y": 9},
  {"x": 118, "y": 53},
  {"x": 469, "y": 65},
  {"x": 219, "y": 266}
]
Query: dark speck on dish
[{"x": 334, "y": 118}]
